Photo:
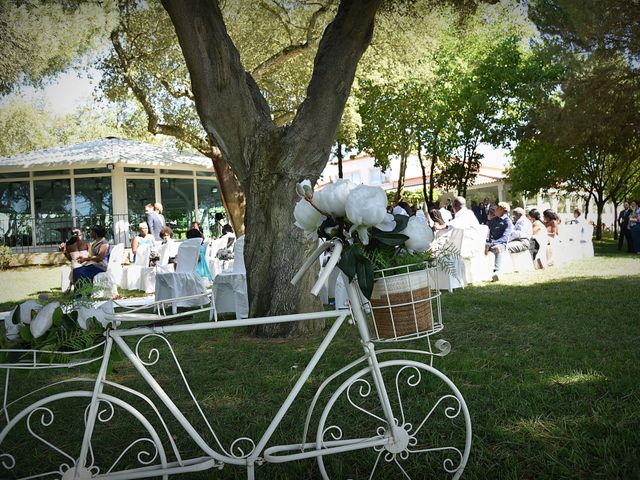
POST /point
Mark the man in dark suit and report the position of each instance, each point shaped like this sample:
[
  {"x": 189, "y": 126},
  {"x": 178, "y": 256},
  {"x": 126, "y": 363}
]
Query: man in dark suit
[
  {"x": 623, "y": 223},
  {"x": 154, "y": 221}
]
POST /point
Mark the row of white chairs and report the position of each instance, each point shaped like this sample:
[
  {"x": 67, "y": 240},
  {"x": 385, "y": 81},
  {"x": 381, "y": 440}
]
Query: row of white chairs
[{"x": 574, "y": 241}]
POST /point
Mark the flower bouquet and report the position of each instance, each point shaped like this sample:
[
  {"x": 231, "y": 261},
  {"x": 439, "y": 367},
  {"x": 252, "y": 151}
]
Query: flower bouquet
[
  {"x": 387, "y": 254},
  {"x": 224, "y": 254}
]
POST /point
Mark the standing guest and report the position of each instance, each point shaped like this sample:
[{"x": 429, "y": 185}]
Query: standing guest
[
  {"x": 154, "y": 222},
  {"x": 229, "y": 234},
  {"x": 500, "y": 228},
  {"x": 477, "y": 210},
  {"x": 623, "y": 224},
  {"x": 520, "y": 238},
  {"x": 634, "y": 225},
  {"x": 486, "y": 205},
  {"x": 216, "y": 228},
  {"x": 98, "y": 257},
  {"x": 195, "y": 226},
  {"x": 449, "y": 207},
  {"x": 144, "y": 238},
  {"x": 158, "y": 208}
]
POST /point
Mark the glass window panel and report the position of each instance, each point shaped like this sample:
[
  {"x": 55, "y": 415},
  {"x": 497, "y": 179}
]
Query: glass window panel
[
  {"x": 140, "y": 191},
  {"x": 52, "y": 201},
  {"x": 209, "y": 203},
  {"x": 139, "y": 170},
  {"x": 89, "y": 171},
  {"x": 93, "y": 200},
  {"x": 48, "y": 173},
  {"x": 176, "y": 172},
  {"x": 15, "y": 214},
  {"x": 206, "y": 174},
  {"x": 14, "y": 175},
  {"x": 178, "y": 203}
]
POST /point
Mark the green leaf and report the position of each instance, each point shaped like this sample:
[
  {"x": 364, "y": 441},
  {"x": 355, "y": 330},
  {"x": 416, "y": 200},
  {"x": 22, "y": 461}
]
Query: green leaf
[
  {"x": 347, "y": 262},
  {"x": 389, "y": 238},
  {"x": 25, "y": 333},
  {"x": 364, "y": 270},
  {"x": 401, "y": 223},
  {"x": 15, "y": 318},
  {"x": 57, "y": 317}
]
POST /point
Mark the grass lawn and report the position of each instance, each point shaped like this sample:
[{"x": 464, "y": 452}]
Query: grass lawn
[{"x": 548, "y": 363}]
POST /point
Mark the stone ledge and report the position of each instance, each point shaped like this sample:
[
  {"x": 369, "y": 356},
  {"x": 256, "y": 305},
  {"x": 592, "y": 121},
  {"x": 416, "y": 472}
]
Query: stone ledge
[{"x": 40, "y": 258}]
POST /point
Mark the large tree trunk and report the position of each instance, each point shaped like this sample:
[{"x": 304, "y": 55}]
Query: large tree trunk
[{"x": 267, "y": 159}]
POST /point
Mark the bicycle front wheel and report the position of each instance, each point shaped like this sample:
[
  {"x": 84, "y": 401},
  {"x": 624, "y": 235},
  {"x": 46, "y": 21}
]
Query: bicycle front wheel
[{"x": 430, "y": 436}]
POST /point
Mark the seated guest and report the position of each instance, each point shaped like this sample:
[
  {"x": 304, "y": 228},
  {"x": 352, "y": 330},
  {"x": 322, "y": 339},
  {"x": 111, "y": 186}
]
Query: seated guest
[
  {"x": 463, "y": 217},
  {"x": 167, "y": 239},
  {"x": 519, "y": 240},
  {"x": 75, "y": 247},
  {"x": 551, "y": 222},
  {"x": 98, "y": 256},
  {"x": 536, "y": 227},
  {"x": 196, "y": 226},
  {"x": 577, "y": 217},
  {"x": 500, "y": 228},
  {"x": 202, "y": 269},
  {"x": 444, "y": 212},
  {"x": 439, "y": 225},
  {"x": 144, "y": 238}
]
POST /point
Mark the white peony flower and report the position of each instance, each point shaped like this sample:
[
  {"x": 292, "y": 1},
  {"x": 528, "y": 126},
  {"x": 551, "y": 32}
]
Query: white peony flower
[
  {"x": 420, "y": 236},
  {"x": 85, "y": 313},
  {"x": 333, "y": 198},
  {"x": 304, "y": 189},
  {"x": 307, "y": 218},
  {"x": 388, "y": 224},
  {"x": 366, "y": 207},
  {"x": 44, "y": 319}
]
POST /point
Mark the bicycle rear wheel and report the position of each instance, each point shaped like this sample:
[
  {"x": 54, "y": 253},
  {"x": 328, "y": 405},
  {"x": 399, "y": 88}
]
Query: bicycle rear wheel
[{"x": 430, "y": 436}]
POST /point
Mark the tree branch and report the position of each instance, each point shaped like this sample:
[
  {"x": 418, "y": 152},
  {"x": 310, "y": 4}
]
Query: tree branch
[
  {"x": 293, "y": 50},
  {"x": 228, "y": 100},
  {"x": 342, "y": 44}
]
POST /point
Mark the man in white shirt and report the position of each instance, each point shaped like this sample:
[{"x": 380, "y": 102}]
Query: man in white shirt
[
  {"x": 464, "y": 218},
  {"x": 522, "y": 232}
]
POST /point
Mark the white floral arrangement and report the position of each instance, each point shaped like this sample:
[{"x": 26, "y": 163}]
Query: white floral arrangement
[
  {"x": 53, "y": 327},
  {"x": 372, "y": 237},
  {"x": 224, "y": 254}
]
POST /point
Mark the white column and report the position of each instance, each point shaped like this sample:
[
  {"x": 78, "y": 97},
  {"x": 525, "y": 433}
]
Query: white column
[
  {"x": 120, "y": 208},
  {"x": 500, "y": 191}
]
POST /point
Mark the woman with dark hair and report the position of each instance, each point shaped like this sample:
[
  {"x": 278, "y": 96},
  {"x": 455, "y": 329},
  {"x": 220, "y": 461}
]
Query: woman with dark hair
[
  {"x": 98, "y": 256},
  {"x": 552, "y": 222},
  {"x": 536, "y": 227},
  {"x": 439, "y": 225}
]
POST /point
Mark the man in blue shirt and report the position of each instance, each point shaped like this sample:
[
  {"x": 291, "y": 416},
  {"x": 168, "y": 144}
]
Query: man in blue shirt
[{"x": 500, "y": 228}]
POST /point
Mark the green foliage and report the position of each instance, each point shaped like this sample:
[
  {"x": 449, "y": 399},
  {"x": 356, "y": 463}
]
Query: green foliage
[
  {"x": 5, "y": 256},
  {"x": 39, "y": 39}
]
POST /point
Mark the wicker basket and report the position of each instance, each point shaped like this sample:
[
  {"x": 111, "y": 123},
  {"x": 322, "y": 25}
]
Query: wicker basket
[{"x": 401, "y": 305}]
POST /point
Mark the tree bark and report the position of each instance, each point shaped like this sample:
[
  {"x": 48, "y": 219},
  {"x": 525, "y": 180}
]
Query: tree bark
[
  {"x": 339, "y": 156},
  {"x": 232, "y": 196},
  {"x": 269, "y": 160}
]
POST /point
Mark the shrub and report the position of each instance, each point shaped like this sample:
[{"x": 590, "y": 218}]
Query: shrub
[{"x": 5, "y": 256}]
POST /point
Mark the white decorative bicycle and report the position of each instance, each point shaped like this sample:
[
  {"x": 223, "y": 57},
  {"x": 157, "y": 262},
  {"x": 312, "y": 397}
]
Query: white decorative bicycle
[{"x": 391, "y": 418}]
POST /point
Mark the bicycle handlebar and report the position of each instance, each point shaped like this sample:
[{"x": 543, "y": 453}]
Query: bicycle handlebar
[{"x": 324, "y": 276}]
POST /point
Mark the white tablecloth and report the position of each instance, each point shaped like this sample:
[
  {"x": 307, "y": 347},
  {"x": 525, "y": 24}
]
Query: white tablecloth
[
  {"x": 173, "y": 285},
  {"x": 230, "y": 293}
]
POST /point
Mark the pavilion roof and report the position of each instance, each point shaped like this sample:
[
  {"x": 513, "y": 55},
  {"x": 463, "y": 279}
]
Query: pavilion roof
[{"x": 104, "y": 151}]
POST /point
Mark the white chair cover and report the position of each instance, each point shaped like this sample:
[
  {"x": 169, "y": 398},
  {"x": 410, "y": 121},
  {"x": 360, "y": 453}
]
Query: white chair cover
[
  {"x": 142, "y": 256},
  {"x": 586, "y": 241},
  {"x": 238, "y": 256},
  {"x": 109, "y": 281},
  {"x": 184, "y": 281},
  {"x": 472, "y": 251},
  {"x": 454, "y": 279}
]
